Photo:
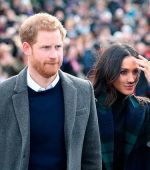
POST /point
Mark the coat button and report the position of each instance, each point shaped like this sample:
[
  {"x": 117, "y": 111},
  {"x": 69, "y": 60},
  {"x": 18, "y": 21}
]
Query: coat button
[{"x": 148, "y": 144}]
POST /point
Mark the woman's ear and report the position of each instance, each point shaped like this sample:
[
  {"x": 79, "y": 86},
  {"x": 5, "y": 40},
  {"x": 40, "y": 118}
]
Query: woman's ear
[{"x": 27, "y": 48}]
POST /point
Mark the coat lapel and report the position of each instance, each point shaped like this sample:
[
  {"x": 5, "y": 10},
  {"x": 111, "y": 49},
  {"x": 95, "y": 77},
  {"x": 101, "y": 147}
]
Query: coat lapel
[
  {"x": 105, "y": 118},
  {"x": 70, "y": 102},
  {"x": 21, "y": 106},
  {"x": 135, "y": 118}
]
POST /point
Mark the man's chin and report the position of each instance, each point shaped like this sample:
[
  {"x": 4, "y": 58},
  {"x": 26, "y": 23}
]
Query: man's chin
[{"x": 49, "y": 74}]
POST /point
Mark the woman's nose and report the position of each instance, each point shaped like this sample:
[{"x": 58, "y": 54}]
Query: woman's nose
[{"x": 131, "y": 78}]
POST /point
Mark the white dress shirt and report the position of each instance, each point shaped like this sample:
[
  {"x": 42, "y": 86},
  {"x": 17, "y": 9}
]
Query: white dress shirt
[{"x": 36, "y": 87}]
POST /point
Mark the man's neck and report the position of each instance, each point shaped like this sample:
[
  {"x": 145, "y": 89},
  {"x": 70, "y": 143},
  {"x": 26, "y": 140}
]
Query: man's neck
[{"x": 42, "y": 81}]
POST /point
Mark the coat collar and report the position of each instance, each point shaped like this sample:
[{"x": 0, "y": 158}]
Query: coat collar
[
  {"x": 21, "y": 106},
  {"x": 135, "y": 117},
  {"x": 70, "y": 102}
]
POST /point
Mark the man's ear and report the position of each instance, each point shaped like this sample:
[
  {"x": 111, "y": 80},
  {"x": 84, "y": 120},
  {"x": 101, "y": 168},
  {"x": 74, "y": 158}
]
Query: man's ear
[{"x": 26, "y": 47}]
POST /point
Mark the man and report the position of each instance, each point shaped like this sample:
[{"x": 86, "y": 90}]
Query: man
[{"x": 47, "y": 118}]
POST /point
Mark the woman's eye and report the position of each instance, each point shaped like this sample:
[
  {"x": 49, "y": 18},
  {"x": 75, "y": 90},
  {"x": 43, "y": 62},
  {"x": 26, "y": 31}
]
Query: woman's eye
[
  {"x": 123, "y": 72},
  {"x": 136, "y": 72}
]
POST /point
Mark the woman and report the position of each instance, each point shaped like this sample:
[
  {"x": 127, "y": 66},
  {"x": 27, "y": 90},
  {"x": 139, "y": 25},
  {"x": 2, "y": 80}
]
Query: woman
[{"x": 124, "y": 119}]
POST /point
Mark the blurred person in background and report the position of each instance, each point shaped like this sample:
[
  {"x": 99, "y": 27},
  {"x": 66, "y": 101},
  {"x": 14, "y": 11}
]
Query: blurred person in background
[
  {"x": 124, "y": 118},
  {"x": 11, "y": 65},
  {"x": 70, "y": 63},
  {"x": 143, "y": 86},
  {"x": 45, "y": 121}
]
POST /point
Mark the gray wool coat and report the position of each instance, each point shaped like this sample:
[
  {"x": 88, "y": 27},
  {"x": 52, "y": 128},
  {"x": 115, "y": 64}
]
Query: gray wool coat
[{"x": 80, "y": 127}]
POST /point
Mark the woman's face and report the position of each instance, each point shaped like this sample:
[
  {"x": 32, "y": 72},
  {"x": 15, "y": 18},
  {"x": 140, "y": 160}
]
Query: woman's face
[{"x": 129, "y": 76}]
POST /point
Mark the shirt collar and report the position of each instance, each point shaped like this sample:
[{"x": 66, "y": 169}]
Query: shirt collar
[{"x": 36, "y": 87}]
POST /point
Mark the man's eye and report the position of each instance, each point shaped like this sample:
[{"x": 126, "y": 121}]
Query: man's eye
[
  {"x": 58, "y": 46},
  {"x": 46, "y": 47}
]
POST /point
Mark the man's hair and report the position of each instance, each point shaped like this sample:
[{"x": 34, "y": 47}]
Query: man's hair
[{"x": 39, "y": 22}]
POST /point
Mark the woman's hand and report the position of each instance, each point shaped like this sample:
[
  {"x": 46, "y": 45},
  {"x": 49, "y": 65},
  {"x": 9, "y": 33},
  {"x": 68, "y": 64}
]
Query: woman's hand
[{"x": 144, "y": 65}]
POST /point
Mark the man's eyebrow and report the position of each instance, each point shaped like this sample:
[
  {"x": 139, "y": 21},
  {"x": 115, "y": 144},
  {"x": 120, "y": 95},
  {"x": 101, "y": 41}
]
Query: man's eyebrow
[{"x": 45, "y": 45}]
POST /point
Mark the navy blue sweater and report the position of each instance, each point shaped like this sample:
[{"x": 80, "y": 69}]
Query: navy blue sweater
[{"x": 47, "y": 145}]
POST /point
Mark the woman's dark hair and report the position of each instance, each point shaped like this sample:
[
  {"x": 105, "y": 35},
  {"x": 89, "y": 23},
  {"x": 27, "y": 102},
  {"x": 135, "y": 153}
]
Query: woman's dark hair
[{"x": 107, "y": 70}]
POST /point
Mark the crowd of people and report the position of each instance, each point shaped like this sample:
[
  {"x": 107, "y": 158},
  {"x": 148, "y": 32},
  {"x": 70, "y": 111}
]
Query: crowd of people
[
  {"x": 91, "y": 26},
  {"x": 101, "y": 123}
]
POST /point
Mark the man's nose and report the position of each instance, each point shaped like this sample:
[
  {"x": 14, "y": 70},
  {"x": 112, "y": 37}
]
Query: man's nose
[{"x": 53, "y": 53}]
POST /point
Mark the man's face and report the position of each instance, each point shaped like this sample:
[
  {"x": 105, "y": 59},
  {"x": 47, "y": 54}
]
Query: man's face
[{"x": 46, "y": 54}]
